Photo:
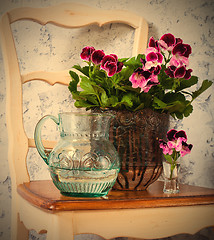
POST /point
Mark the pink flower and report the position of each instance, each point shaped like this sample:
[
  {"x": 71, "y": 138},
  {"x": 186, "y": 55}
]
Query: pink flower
[
  {"x": 152, "y": 82},
  {"x": 153, "y": 58},
  {"x": 177, "y": 61},
  {"x": 176, "y": 138},
  {"x": 180, "y": 72},
  {"x": 111, "y": 65},
  {"x": 173, "y": 135},
  {"x": 177, "y": 141},
  {"x": 115, "y": 56},
  {"x": 97, "y": 56},
  {"x": 139, "y": 78},
  {"x": 154, "y": 44},
  {"x": 182, "y": 50},
  {"x": 86, "y": 53},
  {"x": 165, "y": 147},
  {"x": 143, "y": 79},
  {"x": 119, "y": 66},
  {"x": 186, "y": 149},
  {"x": 147, "y": 76},
  {"x": 167, "y": 41}
]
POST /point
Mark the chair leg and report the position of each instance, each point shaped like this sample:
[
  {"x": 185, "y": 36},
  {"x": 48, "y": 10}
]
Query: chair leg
[
  {"x": 22, "y": 231},
  {"x": 59, "y": 230},
  {"x": 53, "y": 235}
]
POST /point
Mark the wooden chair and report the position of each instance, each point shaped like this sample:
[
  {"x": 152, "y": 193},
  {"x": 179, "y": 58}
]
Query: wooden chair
[
  {"x": 67, "y": 16},
  {"x": 38, "y": 205}
]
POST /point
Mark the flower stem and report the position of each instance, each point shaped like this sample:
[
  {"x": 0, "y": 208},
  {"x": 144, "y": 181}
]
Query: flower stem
[
  {"x": 173, "y": 163},
  {"x": 172, "y": 169}
]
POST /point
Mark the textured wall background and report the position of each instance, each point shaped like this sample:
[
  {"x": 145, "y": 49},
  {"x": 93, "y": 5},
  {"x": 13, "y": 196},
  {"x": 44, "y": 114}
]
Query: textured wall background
[{"x": 39, "y": 47}]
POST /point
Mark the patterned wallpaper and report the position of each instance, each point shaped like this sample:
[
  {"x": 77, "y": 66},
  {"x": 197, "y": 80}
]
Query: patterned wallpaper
[{"x": 39, "y": 47}]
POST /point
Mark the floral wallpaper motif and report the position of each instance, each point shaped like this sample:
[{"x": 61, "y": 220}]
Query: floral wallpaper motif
[{"x": 39, "y": 47}]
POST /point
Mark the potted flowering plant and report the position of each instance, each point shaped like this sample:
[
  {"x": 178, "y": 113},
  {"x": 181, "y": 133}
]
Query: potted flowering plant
[
  {"x": 173, "y": 149},
  {"x": 141, "y": 92}
]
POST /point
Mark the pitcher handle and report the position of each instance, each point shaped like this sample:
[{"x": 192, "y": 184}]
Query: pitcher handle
[{"x": 37, "y": 136}]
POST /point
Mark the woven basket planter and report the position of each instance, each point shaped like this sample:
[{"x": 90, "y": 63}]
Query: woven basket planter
[{"x": 135, "y": 136}]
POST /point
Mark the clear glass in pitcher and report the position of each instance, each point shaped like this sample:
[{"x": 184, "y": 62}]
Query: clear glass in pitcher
[{"x": 84, "y": 163}]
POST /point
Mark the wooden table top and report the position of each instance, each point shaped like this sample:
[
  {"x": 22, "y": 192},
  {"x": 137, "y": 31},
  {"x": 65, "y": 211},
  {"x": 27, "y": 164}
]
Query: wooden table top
[{"x": 44, "y": 194}]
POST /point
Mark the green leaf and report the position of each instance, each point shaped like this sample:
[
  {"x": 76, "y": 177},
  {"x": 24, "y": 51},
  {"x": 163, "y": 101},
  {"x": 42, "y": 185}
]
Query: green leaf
[
  {"x": 84, "y": 70},
  {"x": 73, "y": 84},
  {"x": 168, "y": 158},
  {"x": 188, "y": 110},
  {"x": 93, "y": 99},
  {"x": 122, "y": 59},
  {"x": 187, "y": 83},
  {"x": 86, "y": 85},
  {"x": 104, "y": 98},
  {"x": 123, "y": 76},
  {"x": 112, "y": 101},
  {"x": 205, "y": 85},
  {"x": 176, "y": 84},
  {"x": 179, "y": 115},
  {"x": 158, "y": 104},
  {"x": 131, "y": 89},
  {"x": 133, "y": 62},
  {"x": 140, "y": 107},
  {"x": 139, "y": 57},
  {"x": 74, "y": 76},
  {"x": 127, "y": 100},
  {"x": 83, "y": 104},
  {"x": 146, "y": 99},
  {"x": 77, "y": 96},
  {"x": 176, "y": 106},
  {"x": 172, "y": 97}
]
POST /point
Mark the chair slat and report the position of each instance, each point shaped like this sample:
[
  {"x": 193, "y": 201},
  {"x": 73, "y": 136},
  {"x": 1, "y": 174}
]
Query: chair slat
[
  {"x": 74, "y": 15},
  {"x": 52, "y": 78}
]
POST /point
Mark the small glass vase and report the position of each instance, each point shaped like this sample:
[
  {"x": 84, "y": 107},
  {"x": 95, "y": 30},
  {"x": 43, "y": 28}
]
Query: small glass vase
[{"x": 171, "y": 184}]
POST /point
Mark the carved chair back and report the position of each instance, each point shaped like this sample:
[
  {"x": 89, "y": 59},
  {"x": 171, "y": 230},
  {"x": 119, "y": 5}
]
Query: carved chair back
[{"x": 70, "y": 15}]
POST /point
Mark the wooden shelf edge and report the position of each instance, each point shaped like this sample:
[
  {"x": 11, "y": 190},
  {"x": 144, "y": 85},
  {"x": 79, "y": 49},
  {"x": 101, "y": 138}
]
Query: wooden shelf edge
[{"x": 61, "y": 203}]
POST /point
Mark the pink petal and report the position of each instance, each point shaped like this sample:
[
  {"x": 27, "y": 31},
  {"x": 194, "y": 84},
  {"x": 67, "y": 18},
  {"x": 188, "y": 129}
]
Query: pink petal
[
  {"x": 180, "y": 72},
  {"x": 151, "y": 57},
  {"x": 119, "y": 66},
  {"x": 86, "y": 53},
  {"x": 182, "y": 49},
  {"x": 171, "y": 134},
  {"x": 171, "y": 144},
  {"x": 186, "y": 149},
  {"x": 178, "y": 145},
  {"x": 107, "y": 58},
  {"x": 97, "y": 56},
  {"x": 188, "y": 74},
  {"x": 110, "y": 68},
  {"x": 160, "y": 57},
  {"x": 115, "y": 56},
  {"x": 181, "y": 134},
  {"x": 167, "y": 41}
]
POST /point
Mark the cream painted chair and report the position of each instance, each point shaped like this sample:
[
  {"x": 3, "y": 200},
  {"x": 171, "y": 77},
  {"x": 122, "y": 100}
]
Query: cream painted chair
[
  {"x": 38, "y": 205},
  {"x": 65, "y": 15}
]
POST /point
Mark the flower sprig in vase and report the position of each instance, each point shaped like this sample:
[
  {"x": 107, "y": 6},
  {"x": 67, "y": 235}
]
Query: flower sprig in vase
[{"x": 173, "y": 149}]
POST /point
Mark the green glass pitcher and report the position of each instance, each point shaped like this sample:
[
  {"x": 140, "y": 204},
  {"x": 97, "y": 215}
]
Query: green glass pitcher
[{"x": 84, "y": 163}]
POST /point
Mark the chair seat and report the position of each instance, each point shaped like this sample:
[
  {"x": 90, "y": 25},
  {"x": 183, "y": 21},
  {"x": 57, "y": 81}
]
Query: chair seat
[{"x": 46, "y": 196}]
